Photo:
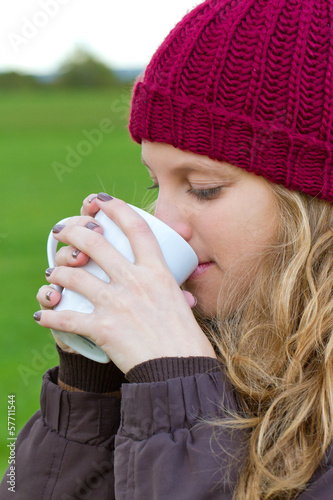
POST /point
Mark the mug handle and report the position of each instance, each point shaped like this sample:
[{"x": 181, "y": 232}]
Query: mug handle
[{"x": 52, "y": 245}]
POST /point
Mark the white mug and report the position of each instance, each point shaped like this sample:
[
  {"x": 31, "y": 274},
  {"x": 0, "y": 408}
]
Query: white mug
[{"x": 178, "y": 254}]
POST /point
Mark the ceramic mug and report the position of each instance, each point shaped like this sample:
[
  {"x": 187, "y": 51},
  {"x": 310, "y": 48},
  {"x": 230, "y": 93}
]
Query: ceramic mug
[{"x": 178, "y": 254}]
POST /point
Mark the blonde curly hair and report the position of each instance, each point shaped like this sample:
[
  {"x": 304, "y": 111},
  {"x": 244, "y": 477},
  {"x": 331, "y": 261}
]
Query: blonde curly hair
[{"x": 277, "y": 349}]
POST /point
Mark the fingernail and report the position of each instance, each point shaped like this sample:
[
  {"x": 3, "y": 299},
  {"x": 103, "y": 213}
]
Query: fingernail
[
  {"x": 104, "y": 197},
  {"x": 92, "y": 198},
  {"x": 92, "y": 225},
  {"x": 195, "y": 301},
  {"x": 75, "y": 253},
  {"x": 37, "y": 316},
  {"x": 48, "y": 295},
  {"x": 49, "y": 271},
  {"x": 57, "y": 228}
]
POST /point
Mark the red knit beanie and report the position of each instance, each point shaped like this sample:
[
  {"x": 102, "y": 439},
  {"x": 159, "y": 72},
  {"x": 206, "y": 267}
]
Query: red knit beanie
[{"x": 249, "y": 82}]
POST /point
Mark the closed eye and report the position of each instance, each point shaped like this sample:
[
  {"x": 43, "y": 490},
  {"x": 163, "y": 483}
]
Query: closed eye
[
  {"x": 205, "y": 194},
  {"x": 201, "y": 194}
]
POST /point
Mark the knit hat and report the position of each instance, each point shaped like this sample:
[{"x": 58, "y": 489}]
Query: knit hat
[{"x": 249, "y": 82}]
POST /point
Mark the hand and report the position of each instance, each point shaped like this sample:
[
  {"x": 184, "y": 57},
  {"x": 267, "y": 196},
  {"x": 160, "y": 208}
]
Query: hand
[{"x": 142, "y": 313}]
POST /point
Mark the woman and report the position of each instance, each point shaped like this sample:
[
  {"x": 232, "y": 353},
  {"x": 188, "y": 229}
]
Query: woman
[{"x": 234, "y": 116}]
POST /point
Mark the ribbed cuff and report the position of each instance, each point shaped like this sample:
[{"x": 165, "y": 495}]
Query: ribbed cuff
[
  {"x": 77, "y": 372},
  {"x": 161, "y": 369}
]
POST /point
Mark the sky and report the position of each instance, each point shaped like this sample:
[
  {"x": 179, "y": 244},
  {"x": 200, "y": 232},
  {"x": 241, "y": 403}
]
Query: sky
[{"x": 38, "y": 35}]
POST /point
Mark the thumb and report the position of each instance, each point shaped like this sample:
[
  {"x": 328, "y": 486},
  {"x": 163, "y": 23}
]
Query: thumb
[{"x": 191, "y": 300}]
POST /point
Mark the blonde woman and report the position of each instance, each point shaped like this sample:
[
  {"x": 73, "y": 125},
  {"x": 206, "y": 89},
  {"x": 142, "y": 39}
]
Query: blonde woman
[{"x": 231, "y": 398}]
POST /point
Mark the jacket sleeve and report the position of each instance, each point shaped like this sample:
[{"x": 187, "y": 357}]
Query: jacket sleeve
[
  {"x": 164, "y": 449},
  {"x": 66, "y": 450}
]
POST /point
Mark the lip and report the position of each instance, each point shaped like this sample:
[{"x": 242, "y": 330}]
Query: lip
[{"x": 201, "y": 269}]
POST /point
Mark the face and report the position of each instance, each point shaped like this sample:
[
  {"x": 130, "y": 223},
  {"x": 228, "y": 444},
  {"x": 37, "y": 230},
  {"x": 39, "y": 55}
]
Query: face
[{"x": 227, "y": 215}]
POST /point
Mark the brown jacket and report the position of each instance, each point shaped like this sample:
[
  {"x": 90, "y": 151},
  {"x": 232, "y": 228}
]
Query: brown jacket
[{"x": 149, "y": 445}]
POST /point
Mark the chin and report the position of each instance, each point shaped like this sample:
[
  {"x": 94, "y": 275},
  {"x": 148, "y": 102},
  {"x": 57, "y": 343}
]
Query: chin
[
  {"x": 224, "y": 305},
  {"x": 206, "y": 306}
]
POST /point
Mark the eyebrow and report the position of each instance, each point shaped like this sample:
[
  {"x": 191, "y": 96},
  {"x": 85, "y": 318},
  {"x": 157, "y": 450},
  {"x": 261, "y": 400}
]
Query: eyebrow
[{"x": 190, "y": 166}]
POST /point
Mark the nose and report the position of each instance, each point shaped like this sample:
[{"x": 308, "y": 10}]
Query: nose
[{"x": 175, "y": 216}]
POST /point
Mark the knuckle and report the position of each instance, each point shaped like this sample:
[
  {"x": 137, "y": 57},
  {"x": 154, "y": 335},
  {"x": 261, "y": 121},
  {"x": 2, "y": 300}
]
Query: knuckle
[
  {"x": 139, "y": 226},
  {"x": 73, "y": 220},
  {"x": 96, "y": 240},
  {"x": 68, "y": 323},
  {"x": 79, "y": 220},
  {"x": 84, "y": 219},
  {"x": 164, "y": 278},
  {"x": 65, "y": 323},
  {"x": 104, "y": 297},
  {"x": 127, "y": 274},
  {"x": 74, "y": 279}
]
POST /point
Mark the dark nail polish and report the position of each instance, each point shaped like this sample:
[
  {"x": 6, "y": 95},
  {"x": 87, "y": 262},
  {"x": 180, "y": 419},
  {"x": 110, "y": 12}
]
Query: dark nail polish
[
  {"x": 49, "y": 271},
  {"x": 37, "y": 316},
  {"x": 57, "y": 228},
  {"x": 75, "y": 254},
  {"x": 104, "y": 197},
  {"x": 92, "y": 225},
  {"x": 48, "y": 296}
]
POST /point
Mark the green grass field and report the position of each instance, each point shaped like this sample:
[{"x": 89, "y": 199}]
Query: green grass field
[{"x": 52, "y": 156}]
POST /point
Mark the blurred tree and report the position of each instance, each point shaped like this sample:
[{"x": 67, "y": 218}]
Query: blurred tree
[
  {"x": 84, "y": 70},
  {"x": 14, "y": 80}
]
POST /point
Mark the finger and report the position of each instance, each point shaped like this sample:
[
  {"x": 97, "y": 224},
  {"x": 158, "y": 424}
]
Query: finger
[
  {"x": 82, "y": 220},
  {"x": 66, "y": 321},
  {"x": 70, "y": 255},
  {"x": 191, "y": 300},
  {"x": 48, "y": 297},
  {"x": 89, "y": 206},
  {"x": 142, "y": 240},
  {"x": 95, "y": 246},
  {"x": 80, "y": 281}
]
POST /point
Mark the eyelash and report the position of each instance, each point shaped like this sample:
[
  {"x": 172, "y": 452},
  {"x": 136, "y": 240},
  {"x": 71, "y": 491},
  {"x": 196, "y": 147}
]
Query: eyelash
[
  {"x": 200, "y": 194},
  {"x": 205, "y": 194}
]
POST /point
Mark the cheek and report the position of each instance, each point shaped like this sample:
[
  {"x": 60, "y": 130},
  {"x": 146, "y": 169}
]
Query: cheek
[
  {"x": 256, "y": 222},
  {"x": 241, "y": 240},
  {"x": 236, "y": 237}
]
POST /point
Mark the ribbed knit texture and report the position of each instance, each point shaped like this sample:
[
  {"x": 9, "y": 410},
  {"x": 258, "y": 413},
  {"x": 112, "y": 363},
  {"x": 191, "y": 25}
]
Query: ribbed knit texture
[
  {"x": 79, "y": 372},
  {"x": 249, "y": 82},
  {"x": 162, "y": 369}
]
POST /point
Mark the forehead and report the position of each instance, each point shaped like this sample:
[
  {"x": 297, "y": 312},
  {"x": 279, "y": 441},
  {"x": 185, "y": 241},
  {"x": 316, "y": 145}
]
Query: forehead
[{"x": 157, "y": 155}]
